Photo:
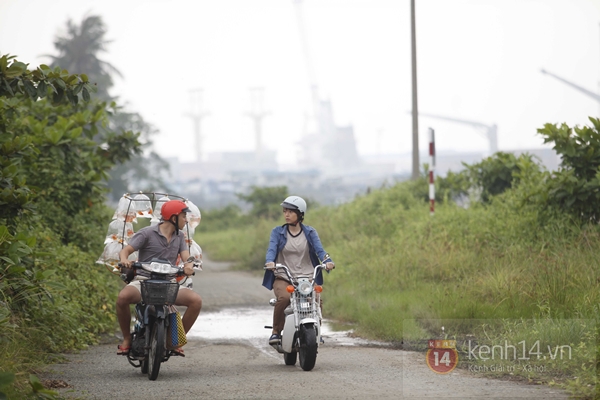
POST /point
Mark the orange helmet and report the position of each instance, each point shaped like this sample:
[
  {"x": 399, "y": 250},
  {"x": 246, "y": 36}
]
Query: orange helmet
[{"x": 173, "y": 207}]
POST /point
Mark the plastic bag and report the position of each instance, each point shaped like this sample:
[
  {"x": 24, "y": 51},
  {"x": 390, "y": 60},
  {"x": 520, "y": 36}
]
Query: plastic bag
[
  {"x": 158, "y": 206},
  {"x": 119, "y": 231},
  {"x": 110, "y": 255},
  {"x": 176, "y": 333},
  {"x": 125, "y": 210},
  {"x": 142, "y": 206},
  {"x": 188, "y": 233},
  {"x": 196, "y": 252},
  {"x": 193, "y": 216}
]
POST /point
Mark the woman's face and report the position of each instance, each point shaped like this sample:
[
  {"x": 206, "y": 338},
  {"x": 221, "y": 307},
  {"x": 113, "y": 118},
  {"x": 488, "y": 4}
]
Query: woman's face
[{"x": 290, "y": 216}]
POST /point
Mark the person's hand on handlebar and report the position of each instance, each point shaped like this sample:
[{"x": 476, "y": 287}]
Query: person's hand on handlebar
[
  {"x": 270, "y": 265},
  {"x": 188, "y": 269},
  {"x": 125, "y": 263},
  {"x": 329, "y": 266}
]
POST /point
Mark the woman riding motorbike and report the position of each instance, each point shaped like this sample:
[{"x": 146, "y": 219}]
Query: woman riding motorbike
[{"x": 298, "y": 247}]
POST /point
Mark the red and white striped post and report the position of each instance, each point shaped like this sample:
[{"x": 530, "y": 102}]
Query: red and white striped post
[{"x": 431, "y": 169}]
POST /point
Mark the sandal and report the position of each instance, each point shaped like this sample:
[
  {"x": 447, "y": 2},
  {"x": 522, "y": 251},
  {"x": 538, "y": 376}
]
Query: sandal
[
  {"x": 178, "y": 352},
  {"x": 123, "y": 351}
]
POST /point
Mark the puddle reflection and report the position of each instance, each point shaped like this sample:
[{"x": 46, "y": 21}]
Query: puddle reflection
[{"x": 249, "y": 323}]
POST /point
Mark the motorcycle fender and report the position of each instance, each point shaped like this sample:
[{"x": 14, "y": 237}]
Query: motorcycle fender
[
  {"x": 306, "y": 321},
  {"x": 289, "y": 330},
  {"x": 313, "y": 322},
  {"x": 161, "y": 312}
]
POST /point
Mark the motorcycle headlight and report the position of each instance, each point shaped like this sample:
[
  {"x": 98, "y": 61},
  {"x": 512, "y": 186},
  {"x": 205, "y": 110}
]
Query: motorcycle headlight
[
  {"x": 161, "y": 268},
  {"x": 305, "y": 288}
]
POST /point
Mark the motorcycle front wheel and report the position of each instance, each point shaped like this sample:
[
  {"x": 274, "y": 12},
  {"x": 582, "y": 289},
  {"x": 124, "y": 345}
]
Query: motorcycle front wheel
[
  {"x": 308, "y": 347},
  {"x": 157, "y": 349}
]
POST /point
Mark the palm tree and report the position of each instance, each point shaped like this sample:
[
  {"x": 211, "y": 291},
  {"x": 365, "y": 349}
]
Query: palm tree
[{"x": 78, "y": 53}]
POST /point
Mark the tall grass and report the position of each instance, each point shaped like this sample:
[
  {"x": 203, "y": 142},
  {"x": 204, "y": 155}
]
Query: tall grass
[{"x": 398, "y": 264}]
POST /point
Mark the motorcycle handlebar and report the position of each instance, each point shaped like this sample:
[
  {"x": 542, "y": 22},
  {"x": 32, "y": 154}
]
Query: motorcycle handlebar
[
  {"x": 289, "y": 274},
  {"x": 138, "y": 265}
]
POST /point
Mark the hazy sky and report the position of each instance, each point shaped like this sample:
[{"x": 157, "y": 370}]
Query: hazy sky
[{"x": 478, "y": 60}]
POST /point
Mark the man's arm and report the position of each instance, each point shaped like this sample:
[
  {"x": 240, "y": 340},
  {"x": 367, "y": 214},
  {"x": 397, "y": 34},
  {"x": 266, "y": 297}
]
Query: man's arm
[
  {"x": 124, "y": 255},
  {"x": 188, "y": 267}
]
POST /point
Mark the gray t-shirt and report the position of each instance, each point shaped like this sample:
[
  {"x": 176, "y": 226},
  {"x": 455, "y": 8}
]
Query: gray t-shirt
[
  {"x": 151, "y": 243},
  {"x": 295, "y": 255}
]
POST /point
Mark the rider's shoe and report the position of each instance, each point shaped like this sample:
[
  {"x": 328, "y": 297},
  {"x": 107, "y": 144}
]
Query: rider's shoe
[
  {"x": 178, "y": 352},
  {"x": 321, "y": 340},
  {"x": 275, "y": 339}
]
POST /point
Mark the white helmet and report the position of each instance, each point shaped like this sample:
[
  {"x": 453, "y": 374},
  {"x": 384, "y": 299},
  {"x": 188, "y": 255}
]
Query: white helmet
[{"x": 295, "y": 203}]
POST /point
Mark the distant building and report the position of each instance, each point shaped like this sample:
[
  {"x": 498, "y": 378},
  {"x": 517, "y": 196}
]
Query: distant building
[
  {"x": 327, "y": 147},
  {"x": 216, "y": 182}
]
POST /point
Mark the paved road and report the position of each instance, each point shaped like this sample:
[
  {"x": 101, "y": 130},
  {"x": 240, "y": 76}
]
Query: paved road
[{"x": 244, "y": 367}]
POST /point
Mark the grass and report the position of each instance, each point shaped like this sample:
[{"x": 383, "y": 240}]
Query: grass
[{"x": 399, "y": 267}]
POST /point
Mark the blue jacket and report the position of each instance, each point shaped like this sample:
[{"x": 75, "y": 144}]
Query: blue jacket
[{"x": 277, "y": 243}]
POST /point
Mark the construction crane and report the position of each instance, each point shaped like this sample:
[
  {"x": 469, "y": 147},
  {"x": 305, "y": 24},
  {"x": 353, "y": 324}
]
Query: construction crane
[
  {"x": 490, "y": 132},
  {"x": 310, "y": 70},
  {"x": 334, "y": 146},
  {"x": 583, "y": 90}
]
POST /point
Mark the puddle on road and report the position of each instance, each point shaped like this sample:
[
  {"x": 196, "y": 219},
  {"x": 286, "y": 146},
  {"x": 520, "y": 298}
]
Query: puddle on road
[{"x": 249, "y": 323}]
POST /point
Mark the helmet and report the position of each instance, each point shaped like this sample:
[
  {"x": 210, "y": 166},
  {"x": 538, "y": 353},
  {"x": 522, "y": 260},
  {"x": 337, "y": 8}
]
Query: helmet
[
  {"x": 173, "y": 207},
  {"x": 295, "y": 203}
]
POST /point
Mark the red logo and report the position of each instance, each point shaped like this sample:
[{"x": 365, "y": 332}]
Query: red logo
[{"x": 442, "y": 356}]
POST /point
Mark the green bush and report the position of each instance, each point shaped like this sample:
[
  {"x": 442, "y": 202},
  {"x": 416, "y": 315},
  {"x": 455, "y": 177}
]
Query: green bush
[{"x": 53, "y": 297}]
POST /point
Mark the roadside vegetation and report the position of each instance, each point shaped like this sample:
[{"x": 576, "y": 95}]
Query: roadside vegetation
[
  {"x": 509, "y": 258},
  {"x": 66, "y": 146}
]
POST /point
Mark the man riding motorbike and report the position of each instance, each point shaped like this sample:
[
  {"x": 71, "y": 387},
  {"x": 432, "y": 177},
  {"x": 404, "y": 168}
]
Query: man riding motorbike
[{"x": 163, "y": 241}]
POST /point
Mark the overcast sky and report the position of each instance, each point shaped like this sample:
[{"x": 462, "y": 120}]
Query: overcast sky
[{"x": 478, "y": 60}]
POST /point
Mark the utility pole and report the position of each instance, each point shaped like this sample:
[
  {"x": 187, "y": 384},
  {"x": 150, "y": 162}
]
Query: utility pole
[
  {"x": 415, "y": 109},
  {"x": 257, "y": 113},
  {"x": 197, "y": 114}
]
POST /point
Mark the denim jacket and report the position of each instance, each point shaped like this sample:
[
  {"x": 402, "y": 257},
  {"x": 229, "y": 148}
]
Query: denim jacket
[{"x": 277, "y": 243}]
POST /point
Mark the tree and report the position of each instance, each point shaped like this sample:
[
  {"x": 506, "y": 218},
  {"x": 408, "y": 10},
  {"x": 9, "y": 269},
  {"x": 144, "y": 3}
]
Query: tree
[
  {"x": 78, "y": 50},
  {"x": 265, "y": 200},
  {"x": 496, "y": 174},
  {"x": 575, "y": 188}
]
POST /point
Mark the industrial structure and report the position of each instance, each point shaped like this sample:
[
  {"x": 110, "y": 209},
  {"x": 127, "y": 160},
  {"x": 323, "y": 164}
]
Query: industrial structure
[
  {"x": 257, "y": 113},
  {"x": 197, "y": 114},
  {"x": 490, "y": 132},
  {"x": 583, "y": 90},
  {"x": 326, "y": 146},
  {"x": 329, "y": 168}
]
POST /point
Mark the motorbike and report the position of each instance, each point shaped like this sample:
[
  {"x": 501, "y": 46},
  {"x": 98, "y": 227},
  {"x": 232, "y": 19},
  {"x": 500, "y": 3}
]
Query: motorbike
[
  {"x": 151, "y": 322},
  {"x": 302, "y": 328}
]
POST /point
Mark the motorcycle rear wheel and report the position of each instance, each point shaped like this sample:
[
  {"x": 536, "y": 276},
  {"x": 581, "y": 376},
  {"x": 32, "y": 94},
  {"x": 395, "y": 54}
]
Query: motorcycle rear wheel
[
  {"x": 308, "y": 347},
  {"x": 290, "y": 358},
  {"x": 157, "y": 349}
]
